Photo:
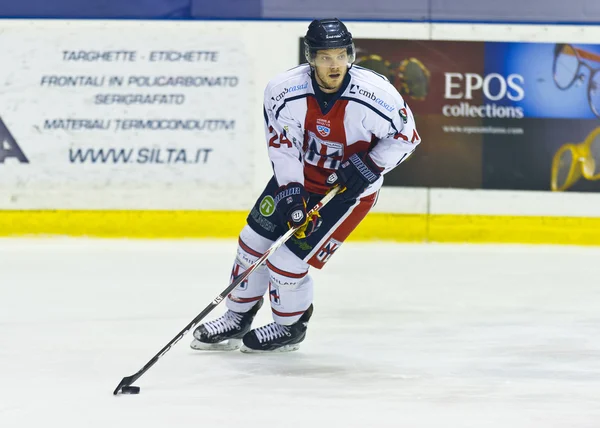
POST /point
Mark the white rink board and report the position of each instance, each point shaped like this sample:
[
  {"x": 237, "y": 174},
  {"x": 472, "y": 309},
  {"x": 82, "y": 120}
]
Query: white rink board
[{"x": 237, "y": 166}]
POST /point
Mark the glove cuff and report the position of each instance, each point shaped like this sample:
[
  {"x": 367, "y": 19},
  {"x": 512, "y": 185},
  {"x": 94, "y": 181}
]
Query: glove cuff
[
  {"x": 294, "y": 190},
  {"x": 365, "y": 169}
]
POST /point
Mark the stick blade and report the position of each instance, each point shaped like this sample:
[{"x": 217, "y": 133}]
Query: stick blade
[{"x": 126, "y": 381}]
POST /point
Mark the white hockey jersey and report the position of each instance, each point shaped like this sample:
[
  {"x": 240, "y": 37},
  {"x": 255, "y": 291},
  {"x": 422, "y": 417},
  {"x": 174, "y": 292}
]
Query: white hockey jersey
[{"x": 308, "y": 140}]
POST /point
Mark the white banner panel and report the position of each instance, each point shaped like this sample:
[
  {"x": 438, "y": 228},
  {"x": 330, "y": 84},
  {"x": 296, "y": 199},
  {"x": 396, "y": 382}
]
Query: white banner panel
[{"x": 130, "y": 106}]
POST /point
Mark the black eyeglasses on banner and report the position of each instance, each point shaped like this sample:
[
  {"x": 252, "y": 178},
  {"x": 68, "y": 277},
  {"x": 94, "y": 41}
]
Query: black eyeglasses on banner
[{"x": 569, "y": 62}]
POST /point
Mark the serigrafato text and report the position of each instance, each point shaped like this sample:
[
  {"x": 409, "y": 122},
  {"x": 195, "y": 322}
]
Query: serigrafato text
[{"x": 129, "y": 99}]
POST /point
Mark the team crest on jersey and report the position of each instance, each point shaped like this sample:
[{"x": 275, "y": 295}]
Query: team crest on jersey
[
  {"x": 323, "y": 130},
  {"x": 327, "y": 250},
  {"x": 323, "y": 127}
]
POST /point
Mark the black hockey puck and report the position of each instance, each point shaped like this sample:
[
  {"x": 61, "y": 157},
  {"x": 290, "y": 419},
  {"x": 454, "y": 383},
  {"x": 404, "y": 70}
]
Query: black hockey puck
[{"x": 130, "y": 390}]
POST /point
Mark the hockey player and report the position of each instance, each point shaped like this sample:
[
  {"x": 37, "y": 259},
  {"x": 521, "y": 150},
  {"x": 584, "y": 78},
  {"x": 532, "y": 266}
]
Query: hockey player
[{"x": 322, "y": 117}]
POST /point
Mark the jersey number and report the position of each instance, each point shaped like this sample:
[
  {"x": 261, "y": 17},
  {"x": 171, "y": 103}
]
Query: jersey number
[
  {"x": 282, "y": 139},
  {"x": 415, "y": 136}
]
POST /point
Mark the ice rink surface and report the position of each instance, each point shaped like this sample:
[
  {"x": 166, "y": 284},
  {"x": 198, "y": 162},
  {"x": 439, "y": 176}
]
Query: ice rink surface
[{"x": 444, "y": 336}]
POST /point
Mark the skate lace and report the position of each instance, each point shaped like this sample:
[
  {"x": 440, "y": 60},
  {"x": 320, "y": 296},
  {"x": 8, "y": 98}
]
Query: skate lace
[
  {"x": 271, "y": 332},
  {"x": 229, "y": 321}
]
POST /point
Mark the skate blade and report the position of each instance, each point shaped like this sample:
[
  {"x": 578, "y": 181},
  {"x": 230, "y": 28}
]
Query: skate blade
[
  {"x": 285, "y": 348},
  {"x": 227, "y": 345}
]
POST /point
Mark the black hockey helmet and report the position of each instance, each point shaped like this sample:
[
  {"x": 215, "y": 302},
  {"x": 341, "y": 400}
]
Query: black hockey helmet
[{"x": 329, "y": 33}]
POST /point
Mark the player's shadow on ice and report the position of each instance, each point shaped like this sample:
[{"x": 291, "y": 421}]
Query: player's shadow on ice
[{"x": 300, "y": 365}]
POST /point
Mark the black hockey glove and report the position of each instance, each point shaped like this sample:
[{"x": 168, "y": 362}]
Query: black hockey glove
[
  {"x": 355, "y": 175},
  {"x": 290, "y": 201}
]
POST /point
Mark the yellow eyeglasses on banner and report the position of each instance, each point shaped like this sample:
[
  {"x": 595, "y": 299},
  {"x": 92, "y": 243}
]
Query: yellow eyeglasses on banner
[{"x": 573, "y": 161}]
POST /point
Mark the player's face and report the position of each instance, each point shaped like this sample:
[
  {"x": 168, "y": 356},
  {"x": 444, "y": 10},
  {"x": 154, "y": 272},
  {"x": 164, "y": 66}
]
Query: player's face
[{"x": 331, "y": 65}]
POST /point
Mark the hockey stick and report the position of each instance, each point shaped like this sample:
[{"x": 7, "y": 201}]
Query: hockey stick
[{"x": 125, "y": 384}]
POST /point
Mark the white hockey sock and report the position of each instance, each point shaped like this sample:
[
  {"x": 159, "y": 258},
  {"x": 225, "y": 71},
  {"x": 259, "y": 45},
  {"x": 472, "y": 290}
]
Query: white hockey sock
[
  {"x": 250, "y": 247},
  {"x": 290, "y": 286}
]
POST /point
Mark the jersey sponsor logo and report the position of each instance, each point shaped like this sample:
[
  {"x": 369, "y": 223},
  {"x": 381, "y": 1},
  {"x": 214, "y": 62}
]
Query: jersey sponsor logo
[
  {"x": 9, "y": 147},
  {"x": 322, "y": 153},
  {"x": 261, "y": 221},
  {"x": 328, "y": 250},
  {"x": 355, "y": 89},
  {"x": 267, "y": 206},
  {"x": 293, "y": 88}
]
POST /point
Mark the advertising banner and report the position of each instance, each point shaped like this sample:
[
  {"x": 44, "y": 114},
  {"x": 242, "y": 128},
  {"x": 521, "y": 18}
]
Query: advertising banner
[
  {"x": 122, "y": 105},
  {"x": 522, "y": 116}
]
